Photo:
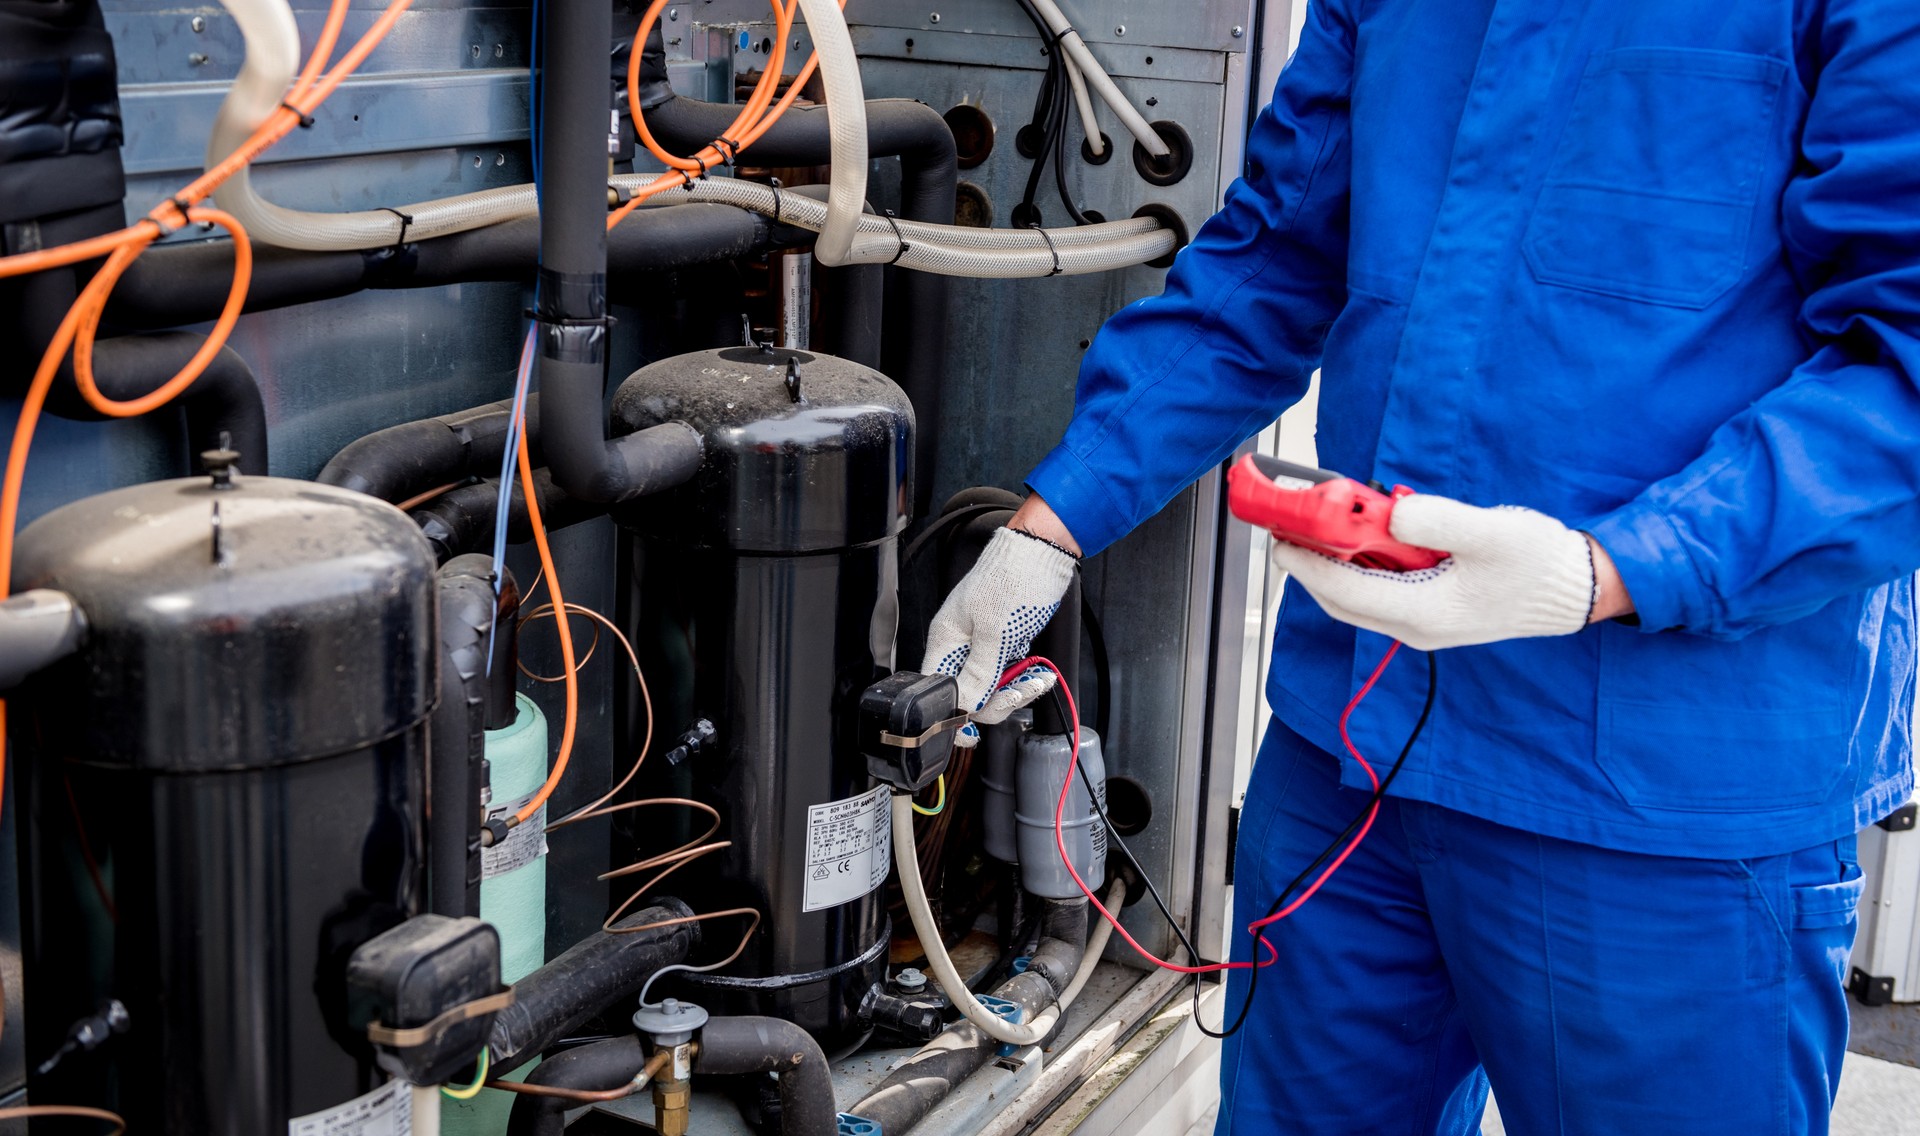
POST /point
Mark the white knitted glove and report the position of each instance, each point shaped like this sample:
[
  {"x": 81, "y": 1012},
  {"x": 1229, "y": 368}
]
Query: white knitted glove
[
  {"x": 989, "y": 621},
  {"x": 1511, "y": 573}
]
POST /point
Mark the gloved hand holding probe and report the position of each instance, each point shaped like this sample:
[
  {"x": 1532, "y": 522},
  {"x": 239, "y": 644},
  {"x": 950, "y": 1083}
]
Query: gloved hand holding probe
[{"x": 990, "y": 619}]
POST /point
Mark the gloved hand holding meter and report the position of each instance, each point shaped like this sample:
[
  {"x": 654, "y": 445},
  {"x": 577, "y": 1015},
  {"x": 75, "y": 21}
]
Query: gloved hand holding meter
[{"x": 1371, "y": 558}]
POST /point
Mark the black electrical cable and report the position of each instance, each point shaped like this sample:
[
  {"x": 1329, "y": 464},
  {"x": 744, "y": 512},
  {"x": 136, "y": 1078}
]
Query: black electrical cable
[
  {"x": 1253, "y": 979},
  {"x": 1113, "y": 833},
  {"x": 1102, "y": 664},
  {"x": 944, "y": 522},
  {"x": 1060, "y": 168},
  {"x": 1050, "y": 117}
]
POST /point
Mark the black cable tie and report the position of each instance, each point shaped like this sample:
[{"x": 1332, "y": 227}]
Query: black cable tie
[
  {"x": 305, "y": 119},
  {"x": 729, "y": 150},
  {"x": 620, "y": 195},
  {"x": 406, "y": 220},
  {"x": 180, "y": 206},
  {"x": 686, "y": 179},
  {"x": 775, "y": 183},
  {"x": 904, "y": 246},
  {"x": 1047, "y": 237}
]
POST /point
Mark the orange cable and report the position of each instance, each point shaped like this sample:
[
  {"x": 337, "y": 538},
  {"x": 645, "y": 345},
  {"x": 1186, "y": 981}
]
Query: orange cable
[
  {"x": 676, "y": 179},
  {"x": 322, "y": 49},
  {"x": 566, "y": 640},
  {"x": 82, "y": 320},
  {"x": 749, "y": 113}
]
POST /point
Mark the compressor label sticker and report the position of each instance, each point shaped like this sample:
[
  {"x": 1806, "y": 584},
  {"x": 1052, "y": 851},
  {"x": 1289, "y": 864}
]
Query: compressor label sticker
[
  {"x": 386, "y": 1111},
  {"x": 848, "y": 848},
  {"x": 523, "y": 845}
]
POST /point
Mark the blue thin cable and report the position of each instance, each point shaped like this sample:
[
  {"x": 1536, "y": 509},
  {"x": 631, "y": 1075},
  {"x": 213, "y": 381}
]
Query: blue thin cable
[
  {"x": 504, "y": 504},
  {"x": 536, "y": 75}
]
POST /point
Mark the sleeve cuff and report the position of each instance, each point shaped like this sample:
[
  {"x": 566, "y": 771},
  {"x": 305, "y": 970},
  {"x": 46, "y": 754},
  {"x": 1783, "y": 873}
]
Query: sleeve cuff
[
  {"x": 1080, "y": 500},
  {"x": 1655, "y": 567}
]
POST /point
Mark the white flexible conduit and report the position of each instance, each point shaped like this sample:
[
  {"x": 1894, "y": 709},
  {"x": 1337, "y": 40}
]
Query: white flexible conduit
[
  {"x": 273, "y": 55},
  {"x": 848, "y": 234},
  {"x": 948, "y": 250},
  {"x": 1076, "y": 49},
  {"x": 847, "y": 125},
  {"x": 1084, "y": 103},
  {"x": 906, "y": 859}
]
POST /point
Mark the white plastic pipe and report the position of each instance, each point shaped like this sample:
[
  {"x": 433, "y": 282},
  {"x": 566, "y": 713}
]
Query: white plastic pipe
[
  {"x": 273, "y": 55},
  {"x": 1096, "y": 141},
  {"x": 847, "y": 126},
  {"x": 949, "y": 250},
  {"x": 906, "y": 859},
  {"x": 1076, "y": 49},
  {"x": 426, "y": 1110}
]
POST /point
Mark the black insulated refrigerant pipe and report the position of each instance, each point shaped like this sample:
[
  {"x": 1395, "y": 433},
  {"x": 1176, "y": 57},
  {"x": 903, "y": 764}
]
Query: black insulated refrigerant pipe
[
  {"x": 592, "y": 975},
  {"x": 224, "y": 401},
  {"x": 472, "y": 623},
  {"x": 916, "y": 343},
  {"x": 180, "y": 284},
  {"x": 727, "y": 1046},
  {"x": 913, "y": 1090},
  {"x": 462, "y": 520},
  {"x": 570, "y": 305},
  {"x": 601, "y": 1066},
  {"x": 748, "y": 1045},
  {"x": 402, "y": 462}
]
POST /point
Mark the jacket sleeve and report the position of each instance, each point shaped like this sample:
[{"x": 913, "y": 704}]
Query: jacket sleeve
[
  {"x": 1813, "y": 492},
  {"x": 1173, "y": 383}
]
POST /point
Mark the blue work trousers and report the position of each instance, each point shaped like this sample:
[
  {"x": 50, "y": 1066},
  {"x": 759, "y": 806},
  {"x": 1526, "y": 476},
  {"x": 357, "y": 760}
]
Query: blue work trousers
[{"x": 1600, "y": 992}]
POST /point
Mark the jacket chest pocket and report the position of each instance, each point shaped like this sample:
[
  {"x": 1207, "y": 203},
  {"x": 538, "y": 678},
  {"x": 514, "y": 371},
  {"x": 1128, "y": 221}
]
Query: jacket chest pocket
[{"x": 1651, "y": 192}]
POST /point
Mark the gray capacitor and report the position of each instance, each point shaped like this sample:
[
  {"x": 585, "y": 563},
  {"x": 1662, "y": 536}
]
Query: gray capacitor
[
  {"x": 999, "y": 747},
  {"x": 1041, "y": 764}
]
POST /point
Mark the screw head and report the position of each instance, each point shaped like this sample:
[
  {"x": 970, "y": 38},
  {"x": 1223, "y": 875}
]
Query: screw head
[
  {"x": 199, "y": 23},
  {"x": 197, "y": 59},
  {"x": 1238, "y": 31},
  {"x": 474, "y": 50},
  {"x": 499, "y": 51},
  {"x": 934, "y": 19},
  {"x": 673, "y": 13},
  {"x": 1121, "y": 30}
]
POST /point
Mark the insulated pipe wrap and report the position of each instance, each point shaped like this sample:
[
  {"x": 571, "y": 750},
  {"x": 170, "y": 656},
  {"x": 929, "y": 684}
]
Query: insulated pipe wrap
[
  {"x": 769, "y": 1045},
  {"x": 601, "y": 1065},
  {"x": 456, "y": 739},
  {"x": 594, "y": 974}
]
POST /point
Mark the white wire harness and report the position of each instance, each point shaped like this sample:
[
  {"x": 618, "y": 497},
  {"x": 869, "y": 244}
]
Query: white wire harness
[{"x": 1103, "y": 85}]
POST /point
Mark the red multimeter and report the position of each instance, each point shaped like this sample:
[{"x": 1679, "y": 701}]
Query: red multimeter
[{"x": 1323, "y": 511}]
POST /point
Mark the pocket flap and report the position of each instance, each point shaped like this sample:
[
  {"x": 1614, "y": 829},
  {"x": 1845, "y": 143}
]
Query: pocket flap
[{"x": 1829, "y": 905}]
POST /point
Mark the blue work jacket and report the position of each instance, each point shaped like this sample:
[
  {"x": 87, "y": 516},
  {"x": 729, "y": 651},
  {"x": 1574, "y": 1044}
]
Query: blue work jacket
[{"x": 1650, "y": 267}]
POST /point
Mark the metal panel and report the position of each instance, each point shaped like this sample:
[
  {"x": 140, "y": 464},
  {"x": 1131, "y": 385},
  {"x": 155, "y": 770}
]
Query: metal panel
[
  {"x": 1203, "y": 25},
  {"x": 167, "y": 124}
]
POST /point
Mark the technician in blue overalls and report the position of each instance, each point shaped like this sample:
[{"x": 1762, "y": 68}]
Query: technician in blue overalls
[{"x": 1650, "y": 272}]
